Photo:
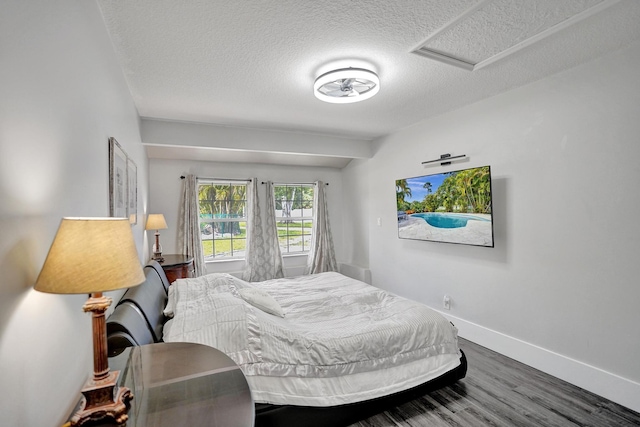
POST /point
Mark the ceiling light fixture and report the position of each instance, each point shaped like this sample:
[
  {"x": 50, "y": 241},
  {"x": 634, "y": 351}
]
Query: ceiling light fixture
[{"x": 346, "y": 85}]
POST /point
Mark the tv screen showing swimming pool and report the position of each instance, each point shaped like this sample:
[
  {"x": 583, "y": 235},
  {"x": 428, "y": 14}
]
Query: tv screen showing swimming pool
[{"x": 450, "y": 207}]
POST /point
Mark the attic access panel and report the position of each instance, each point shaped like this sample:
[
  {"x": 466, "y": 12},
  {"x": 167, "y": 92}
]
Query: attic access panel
[{"x": 491, "y": 30}]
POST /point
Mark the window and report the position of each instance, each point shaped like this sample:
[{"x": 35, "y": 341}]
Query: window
[
  {"x": 223, "y": 219},
  {"x": 294, "y": 217}
]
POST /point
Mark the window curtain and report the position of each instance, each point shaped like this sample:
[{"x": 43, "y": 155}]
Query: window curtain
[
  {"x": 263, "y": 256},
  {"x": 190, "y": 227},
  {"x": 322, "y": 257}
]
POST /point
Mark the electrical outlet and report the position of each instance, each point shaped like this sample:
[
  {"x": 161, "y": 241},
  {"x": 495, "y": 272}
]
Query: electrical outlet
[
  {"x": 446, "y": 302},
  {"x": 379, "y": 222}
]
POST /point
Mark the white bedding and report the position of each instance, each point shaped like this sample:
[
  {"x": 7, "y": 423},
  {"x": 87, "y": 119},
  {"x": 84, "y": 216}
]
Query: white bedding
[{"x": 340, "y": 340}]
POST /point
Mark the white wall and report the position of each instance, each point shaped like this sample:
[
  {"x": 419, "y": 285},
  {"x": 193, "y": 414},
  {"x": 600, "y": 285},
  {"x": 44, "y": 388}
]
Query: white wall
[
  {"x": 356, "y": 196},
  {"x": 560, "y": 289},
  {"x": 166, "y": 187},
  {"x": 62, "y": 97}
]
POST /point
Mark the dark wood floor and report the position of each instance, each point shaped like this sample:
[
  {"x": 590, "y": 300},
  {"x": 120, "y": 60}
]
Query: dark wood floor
[{"x": 499, "y": 391}]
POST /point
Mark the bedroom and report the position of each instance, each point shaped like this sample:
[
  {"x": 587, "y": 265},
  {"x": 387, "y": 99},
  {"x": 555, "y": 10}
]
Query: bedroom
[{"x": 558, "y": 292}]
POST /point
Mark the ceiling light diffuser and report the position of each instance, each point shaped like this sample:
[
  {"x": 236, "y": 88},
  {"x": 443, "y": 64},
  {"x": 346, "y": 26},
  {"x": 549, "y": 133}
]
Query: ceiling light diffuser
[{"x": 346, "y": 85}]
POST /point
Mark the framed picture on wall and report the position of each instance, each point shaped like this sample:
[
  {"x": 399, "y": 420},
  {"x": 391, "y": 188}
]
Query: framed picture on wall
[
  {"x": 132, "y": 191},
  {"x": 118, "y": 180}
]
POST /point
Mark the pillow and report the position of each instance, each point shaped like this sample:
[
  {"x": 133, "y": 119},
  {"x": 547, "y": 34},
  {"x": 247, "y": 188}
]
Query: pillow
[
  {"x": 171, "y": 302},
  {"x": 208, "y": 284},
  {"x": 222, "y": 282},
  {"x": 262, "y": 300}
]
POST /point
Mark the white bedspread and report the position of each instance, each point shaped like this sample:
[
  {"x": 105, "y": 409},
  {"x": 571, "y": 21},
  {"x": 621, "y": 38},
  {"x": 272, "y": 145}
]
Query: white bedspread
[{"x": 333, "y": 325}]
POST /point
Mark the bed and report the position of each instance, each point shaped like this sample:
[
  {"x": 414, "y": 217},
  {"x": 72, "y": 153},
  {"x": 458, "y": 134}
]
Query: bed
[{"x": 323, "y": 349}]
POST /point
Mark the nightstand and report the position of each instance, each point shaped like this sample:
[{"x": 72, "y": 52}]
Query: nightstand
[
  {"x": 177, "y": 267},
  {"x": 183, "y": 384}
]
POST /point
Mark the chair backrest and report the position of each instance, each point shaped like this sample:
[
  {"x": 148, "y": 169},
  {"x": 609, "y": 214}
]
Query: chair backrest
[
  {"x": 127, "y": 327},
  {"x": 138, "y": 317},
  {"x": 157, "y": 268},
  {"x": 150, "y": 298}
]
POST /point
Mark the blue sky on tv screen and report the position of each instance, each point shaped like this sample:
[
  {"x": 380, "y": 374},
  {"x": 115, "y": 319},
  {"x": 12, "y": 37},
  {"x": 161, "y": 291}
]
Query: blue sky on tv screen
[{"x": 418, "y": 192}]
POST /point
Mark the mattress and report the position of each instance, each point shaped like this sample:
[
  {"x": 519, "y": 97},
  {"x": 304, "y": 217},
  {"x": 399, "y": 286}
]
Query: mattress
[{"x": 339, "y": 340}]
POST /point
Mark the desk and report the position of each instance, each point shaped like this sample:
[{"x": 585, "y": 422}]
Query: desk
[
  {"x": 184, "y": 384},
  {"x": 177, "y": 267}
]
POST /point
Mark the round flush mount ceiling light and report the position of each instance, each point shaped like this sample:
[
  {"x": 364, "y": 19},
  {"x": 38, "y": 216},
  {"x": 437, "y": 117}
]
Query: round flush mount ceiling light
[{"x": 346, "y": 85}]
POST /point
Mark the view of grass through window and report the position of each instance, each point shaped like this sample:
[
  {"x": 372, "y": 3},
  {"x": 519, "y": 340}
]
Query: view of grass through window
[
  {"x": 294, "y": 217},
  {"x": 223, "y": 219}
]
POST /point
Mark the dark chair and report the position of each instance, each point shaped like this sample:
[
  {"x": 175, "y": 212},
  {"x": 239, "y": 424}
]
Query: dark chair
[
  {"x": 127, "y": 327},
  {"x": 138, "y": 317},
  {"x": 150, "y": 298},
  {"x": 155, "y": 266}
]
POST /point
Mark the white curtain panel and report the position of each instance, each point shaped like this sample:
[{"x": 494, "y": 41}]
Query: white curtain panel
[
  {"x": 322, "y": 257},
  {"x": 271, "y": 235},
  {"x": 190, "y": 227},
  {"x": 263, "y": 257}
]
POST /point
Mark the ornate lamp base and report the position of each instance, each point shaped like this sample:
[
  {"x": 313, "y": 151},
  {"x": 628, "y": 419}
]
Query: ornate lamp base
[
  {"x": 103, "y": 400},
  {"x": 157, "y": 249}
]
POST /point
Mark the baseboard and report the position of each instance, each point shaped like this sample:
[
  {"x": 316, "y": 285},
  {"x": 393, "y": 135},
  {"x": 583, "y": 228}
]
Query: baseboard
[{"x": 610, "y": 386}]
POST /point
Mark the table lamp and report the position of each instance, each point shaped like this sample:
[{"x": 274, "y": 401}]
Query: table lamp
[
  {"x": 156, "y": 222},
  {"x": 91, "y": 256}
]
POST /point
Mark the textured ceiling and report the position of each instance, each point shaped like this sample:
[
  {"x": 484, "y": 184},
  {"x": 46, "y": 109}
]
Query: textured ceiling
[{"x": 252, "y": 63}]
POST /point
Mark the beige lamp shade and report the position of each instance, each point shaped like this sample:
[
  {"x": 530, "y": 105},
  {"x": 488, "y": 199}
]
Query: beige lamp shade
[
  {"x": 156, "y": 222},
  {"x": 91, "y": 255}
]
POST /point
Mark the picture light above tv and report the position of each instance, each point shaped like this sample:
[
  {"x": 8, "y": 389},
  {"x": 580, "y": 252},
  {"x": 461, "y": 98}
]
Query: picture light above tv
[{"x": 449, "y": 207}]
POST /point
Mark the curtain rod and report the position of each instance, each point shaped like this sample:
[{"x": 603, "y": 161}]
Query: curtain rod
[
  {"x": 294, "y": 183},
  {"x": 249, "y": 180},
  {"x": 219, "y": 179}
]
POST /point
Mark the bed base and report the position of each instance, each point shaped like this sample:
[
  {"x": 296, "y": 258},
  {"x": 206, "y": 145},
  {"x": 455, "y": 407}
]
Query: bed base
[{"x": 268, "y": 415}]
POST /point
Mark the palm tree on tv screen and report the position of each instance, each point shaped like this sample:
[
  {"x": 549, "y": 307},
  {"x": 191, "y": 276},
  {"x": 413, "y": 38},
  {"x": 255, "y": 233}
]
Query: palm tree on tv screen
[
  {"x": 464, "y": 191},
  {"x": 402, "y": 190}
]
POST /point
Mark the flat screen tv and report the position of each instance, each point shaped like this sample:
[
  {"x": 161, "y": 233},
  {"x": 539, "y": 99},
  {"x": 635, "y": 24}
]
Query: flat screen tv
[{"x": 450, "y": 207}]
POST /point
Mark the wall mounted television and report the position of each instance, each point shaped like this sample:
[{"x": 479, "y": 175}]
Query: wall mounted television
[{"x": 450, "y": 207}]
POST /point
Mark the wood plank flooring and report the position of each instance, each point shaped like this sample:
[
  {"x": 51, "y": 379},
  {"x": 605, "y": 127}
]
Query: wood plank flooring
[{"x": 499, "y": 391}]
